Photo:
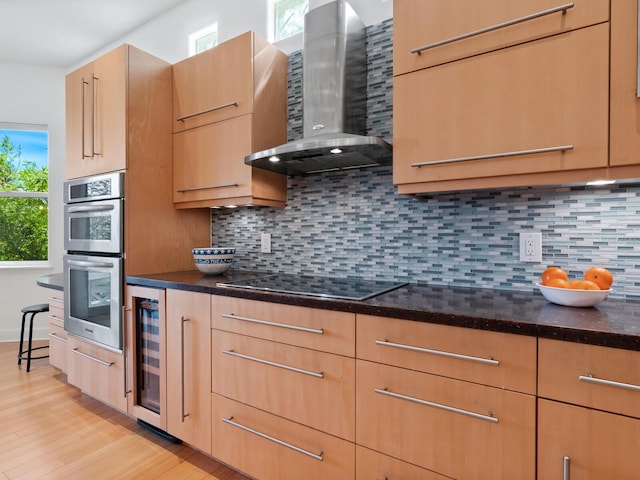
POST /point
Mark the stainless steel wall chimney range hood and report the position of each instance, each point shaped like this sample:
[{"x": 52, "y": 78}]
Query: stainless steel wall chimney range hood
[{"x": 334, "y": 100}]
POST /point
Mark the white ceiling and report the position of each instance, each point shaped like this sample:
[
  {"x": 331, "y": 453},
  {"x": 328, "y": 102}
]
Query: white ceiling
[{"x": 61, "y": 33}]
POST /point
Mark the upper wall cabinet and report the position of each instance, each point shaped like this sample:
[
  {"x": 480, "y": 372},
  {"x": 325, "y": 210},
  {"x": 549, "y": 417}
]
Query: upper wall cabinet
[
  {"x": 96, "y": 114},
  {"x": 228, "y": 102},
  {"x": 504, "y": 94}
]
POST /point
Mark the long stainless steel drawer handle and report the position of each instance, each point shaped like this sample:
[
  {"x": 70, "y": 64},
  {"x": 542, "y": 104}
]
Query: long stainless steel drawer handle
[
  {"x": 97, "y": 360},
  {"x": 95, "y": 208},
  {"x": 610, "y": 383},
  {"x": 209, "y": 187},
  {"x": 566, "y": 468},
  {"x": 274, "y": 364},
  {"x": 319, "y": 331},
  {"x": 86, "y": 263},
  {"x": 209, "y": 110},
  {"x": 561, "y": 148},
  {"x": 317, "y": 456},
  {"x": 57, "y": 337},
  {"x": 489, "y": 418},
  {"x": 459, "y": 356},
  {"x": 533, "y": 16}
]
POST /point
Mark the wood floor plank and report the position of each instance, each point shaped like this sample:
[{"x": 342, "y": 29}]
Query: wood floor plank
[{"x": 51, "y": 431}]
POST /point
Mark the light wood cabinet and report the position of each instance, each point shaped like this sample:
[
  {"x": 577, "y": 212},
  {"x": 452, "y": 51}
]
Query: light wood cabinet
[
  {"x": 228, "y": 102},
  {"x": 96, "y": 115},
  {"x": 188, "y": 380},
  {"x": 269, "y": 447},
  {"x": 57, "y": 335},
  {"x": 98, "y": 372},
  {"x": 445, "y": 425},
  {"x": 374, "y": 465}
]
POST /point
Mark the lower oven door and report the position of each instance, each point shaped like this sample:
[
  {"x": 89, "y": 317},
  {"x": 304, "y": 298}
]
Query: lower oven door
[{"x": 93, "y": 289}]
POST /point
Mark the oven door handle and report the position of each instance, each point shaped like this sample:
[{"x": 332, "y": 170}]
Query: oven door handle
[
  {"x": 85, "y": 263},
  {"x": 90, "y": 208}
]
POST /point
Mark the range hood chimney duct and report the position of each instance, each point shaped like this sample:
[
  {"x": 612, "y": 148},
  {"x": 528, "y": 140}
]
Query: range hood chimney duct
[{"x": 334, "y": 100}]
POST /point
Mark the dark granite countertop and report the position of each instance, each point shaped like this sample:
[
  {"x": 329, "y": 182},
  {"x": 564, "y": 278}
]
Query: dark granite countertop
[
  {"x": 54, "y": 281},
  {"x": 614, "y": 323}
]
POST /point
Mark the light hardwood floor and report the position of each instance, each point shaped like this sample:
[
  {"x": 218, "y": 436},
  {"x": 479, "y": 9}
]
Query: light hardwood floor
[{"x": 49, "y": 430}]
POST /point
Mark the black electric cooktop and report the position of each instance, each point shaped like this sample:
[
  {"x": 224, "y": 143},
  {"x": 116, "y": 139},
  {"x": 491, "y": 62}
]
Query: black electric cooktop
[{"x": 310, "y": 285}]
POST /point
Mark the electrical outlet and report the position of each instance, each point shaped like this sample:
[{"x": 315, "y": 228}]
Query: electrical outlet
[
  {"x": 531, "y": 247},
  {"x": 265, "y": 243}
]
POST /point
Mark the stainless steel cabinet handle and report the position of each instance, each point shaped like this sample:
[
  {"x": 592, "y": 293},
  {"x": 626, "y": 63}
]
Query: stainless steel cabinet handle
[
  {"x": 84, "y": 263},
  {"x": 319, "y": 331},
  {"x": 92, "y": 208},
  {"x": 317, "y": 456},
  {"x": 97, "y": 360},
  {"x": 384, "y": 391},
  {"x": 610, "y": 383},
  {"x": 566, "y": 468},
  {"x": 209, "y": 187},
  {"x": 183, "y": 320},
  {"x": 84, "y": 82},
  {"x": 94, "y": 117},
  {"x": 209, "y": 110},
  {"x": 488, "y": 361},
  {"x": 561, "y": 8},
  {"x": 57, "y": 337},
  {"x": 561, "y": 148},
  {"x": 274, "y": 364}
]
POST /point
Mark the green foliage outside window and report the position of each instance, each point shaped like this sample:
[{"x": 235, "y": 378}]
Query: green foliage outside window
[
  {"x": 23, "y": 206},
  {"x": 289, "y": 17}
]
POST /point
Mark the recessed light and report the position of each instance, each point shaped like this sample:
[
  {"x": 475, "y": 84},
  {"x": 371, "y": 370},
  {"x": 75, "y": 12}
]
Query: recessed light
[
  {"x": 335, "y": 150},
  {"x": 230, "y": 206},
  {"x": 274, "y": 159},
  {"x": 601, "y": 182}
]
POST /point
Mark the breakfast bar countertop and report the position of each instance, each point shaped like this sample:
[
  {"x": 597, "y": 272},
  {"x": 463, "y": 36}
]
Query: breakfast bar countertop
[{"x": 613, "y": 323}]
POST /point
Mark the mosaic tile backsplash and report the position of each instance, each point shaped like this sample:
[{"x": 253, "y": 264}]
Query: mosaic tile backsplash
[{"x": 352, "y": 223}]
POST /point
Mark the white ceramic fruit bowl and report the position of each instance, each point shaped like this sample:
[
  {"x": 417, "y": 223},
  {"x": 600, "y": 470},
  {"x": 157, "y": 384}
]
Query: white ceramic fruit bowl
[
  {"x": 213, "y": 261},
  {"x": 573, "y": 298}
]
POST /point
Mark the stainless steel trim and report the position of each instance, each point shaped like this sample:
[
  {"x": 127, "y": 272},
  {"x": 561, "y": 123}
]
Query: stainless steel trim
[
  {"x": 124, "y": 353},
  {"x": 97, "y": 360},
  {"x": 468, "y": 413},
  {"x": 57, "y": 337},
  {"x": 194, "y": 189},
  {"x": 89, "y": 208},
  {"x": 219, "y": 107},
  {"x": 533, "y": 151},
  {"x": 274, "y": 364},
  {"x": 89, "y": 264},
  {"x": 566, "y": 468},
  {"x": 317, "y": 456},
  {"x": 273, "y": 324},
  {"x": 488, "y": 361},
  {"x": 184, "y": 415},
  {"x": 610, "y": 383},
  {"x": 562, "y": 8}
]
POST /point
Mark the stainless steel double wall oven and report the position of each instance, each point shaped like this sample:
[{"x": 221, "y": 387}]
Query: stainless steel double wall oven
[{"x": 93, "y": 263}]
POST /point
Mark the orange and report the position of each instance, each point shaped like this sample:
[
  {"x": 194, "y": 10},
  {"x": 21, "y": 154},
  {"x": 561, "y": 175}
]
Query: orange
[
  {"x": 557, "y": 283},
  {"x": 577, "y": 285},
  {"x": 589, "y": 285},
  {"x": 600, "y": 276},
  {"x": 553, "y": 272}
]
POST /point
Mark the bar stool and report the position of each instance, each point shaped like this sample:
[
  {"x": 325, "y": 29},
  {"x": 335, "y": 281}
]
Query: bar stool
[{"x": 33, "y": 310}]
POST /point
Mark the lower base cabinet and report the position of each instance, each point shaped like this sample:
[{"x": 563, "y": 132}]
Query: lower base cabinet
[
  {"x": 268, "y": 447},
  {"x": 98, "y": 372},
  {"x": 374, "y": 465}
]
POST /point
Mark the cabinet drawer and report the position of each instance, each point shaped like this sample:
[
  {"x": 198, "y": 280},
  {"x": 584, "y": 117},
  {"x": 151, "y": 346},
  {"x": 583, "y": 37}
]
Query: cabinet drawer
[
  {"x": 275, "y": 448},
  {"x": 598, "y": 377},
  {"x": 490, "y": 358},
  {"x": 57, "y": 346},
  {"x": 372, "y": 465},
  {"x": 214, "y": 85},
  {"x": 56, "y": 308},
  {"x": 310, "y": 387},
  {"x": 97, "y": 372},
  {"x": 418, "y": 24},
  {"x": 598, "y": 445},
  {"x": 447, "y": 127},
  {"x": 325, "y": 330},
  {"x": 419, "y": 418}
]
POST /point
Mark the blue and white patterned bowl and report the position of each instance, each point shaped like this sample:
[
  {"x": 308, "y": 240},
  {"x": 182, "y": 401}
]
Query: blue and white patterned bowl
[{"x": 213, "y": 261}]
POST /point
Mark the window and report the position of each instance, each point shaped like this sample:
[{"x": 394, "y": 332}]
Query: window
[
  {"x": 24, "y": 198},
  {"x": 288, "y": 18},
  {"x": 203, "y": 39}
]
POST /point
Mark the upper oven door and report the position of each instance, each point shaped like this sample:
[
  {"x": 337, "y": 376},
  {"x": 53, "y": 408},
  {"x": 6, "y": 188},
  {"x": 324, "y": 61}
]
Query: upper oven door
[
  {"x": 94, "y": 226},
  {"x": 91, "y": 189}
]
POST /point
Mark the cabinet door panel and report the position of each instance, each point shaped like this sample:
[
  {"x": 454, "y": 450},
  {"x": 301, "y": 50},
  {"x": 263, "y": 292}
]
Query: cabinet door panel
[
  {"x": 373, "y": 465},
  {"x": 528, "y": 97},
  {"x": 599, "y": 445},
  {"x": 212, "y": 82},
  {"x": 57, "y": 346},
  {"x": 437, "y": 438},
  {"x": 418, "y": 23}
]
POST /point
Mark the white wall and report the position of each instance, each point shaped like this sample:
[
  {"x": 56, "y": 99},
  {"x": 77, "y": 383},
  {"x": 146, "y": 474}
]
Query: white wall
[{"x": 32, "y": 94}]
